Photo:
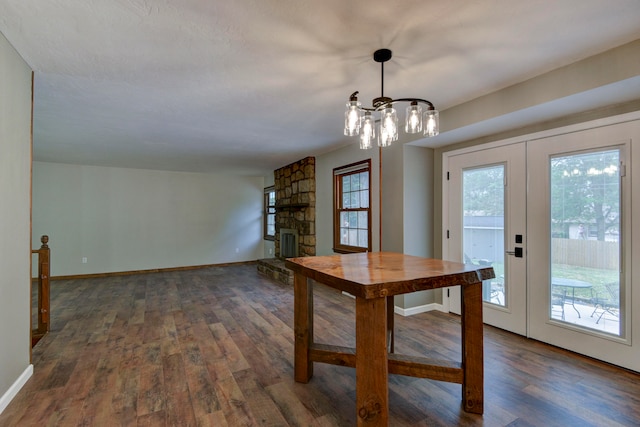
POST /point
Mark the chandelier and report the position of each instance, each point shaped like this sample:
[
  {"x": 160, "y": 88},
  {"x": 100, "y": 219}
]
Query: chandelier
[{"x": 360, "y": 120}]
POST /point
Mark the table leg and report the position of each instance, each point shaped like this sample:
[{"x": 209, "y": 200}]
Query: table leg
[
  {"x": 303, "y": 327},
  {"x": 372, "y": 367},
  {"x": 472, "y": 349}
]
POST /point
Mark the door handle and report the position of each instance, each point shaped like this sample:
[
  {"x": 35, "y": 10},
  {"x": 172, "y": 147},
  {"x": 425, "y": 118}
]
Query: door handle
[{"x": 517, "y": 252}]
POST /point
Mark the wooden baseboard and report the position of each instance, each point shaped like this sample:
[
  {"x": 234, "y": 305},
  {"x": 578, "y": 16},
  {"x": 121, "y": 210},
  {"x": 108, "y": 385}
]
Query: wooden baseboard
[
  {"x": 153, "y": 270},
  {"x": 36, "y": 336}
]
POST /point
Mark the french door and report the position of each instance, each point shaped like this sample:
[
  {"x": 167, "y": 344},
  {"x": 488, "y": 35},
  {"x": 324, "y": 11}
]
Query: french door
[
  {"x": 486, "y": 226},
  {"x": 553, "y": 216},
  {"x": 580, "y": 262}
]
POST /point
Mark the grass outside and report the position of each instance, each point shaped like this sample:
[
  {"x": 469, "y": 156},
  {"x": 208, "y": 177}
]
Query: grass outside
[{"x": 596, "y": 276}]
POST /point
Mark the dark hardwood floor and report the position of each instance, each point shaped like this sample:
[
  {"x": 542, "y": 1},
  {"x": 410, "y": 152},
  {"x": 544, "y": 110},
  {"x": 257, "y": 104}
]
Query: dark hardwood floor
[{"x": 214, "y": 347}]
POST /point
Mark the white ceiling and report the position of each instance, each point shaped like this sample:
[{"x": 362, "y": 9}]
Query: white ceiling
[{"x": 252, "y": 85}]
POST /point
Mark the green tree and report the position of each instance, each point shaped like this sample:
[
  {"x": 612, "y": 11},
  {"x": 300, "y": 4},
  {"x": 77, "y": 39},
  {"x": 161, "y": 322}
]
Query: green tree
[
  {"x": 585, "y": 189},
  {"x": 484, "y": 191}
]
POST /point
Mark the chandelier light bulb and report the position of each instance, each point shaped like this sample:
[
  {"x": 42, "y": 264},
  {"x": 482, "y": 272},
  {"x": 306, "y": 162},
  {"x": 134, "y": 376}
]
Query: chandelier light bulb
[
  {"x": 383, "y": 138},
  {"x": 367, "y": 131},
  {"x": 352, "y": 118},
  {"x": 388, "y": 127},
  {"x": 413, "y": 123},
  {"x": 365, "y": 142},
  {"x": 432, "y": 123}
]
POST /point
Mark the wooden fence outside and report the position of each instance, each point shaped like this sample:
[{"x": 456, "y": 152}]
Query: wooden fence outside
[{"x": 586, "y": 253}]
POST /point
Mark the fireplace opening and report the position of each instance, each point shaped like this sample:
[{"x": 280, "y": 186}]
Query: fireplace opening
[{"x": 288, "y": 243}]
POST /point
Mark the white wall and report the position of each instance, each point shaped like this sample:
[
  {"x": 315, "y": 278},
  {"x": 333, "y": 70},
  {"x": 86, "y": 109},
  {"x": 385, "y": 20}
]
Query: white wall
[
  {"x": 133, "y": 219},
  {"x": 615, "y": 68},
  {"x": 418, "y": 201},
  {"x": 392, "y": 198},
  {"x": 417, "y": 219},
  {"x": 407, "y": 199},
  {"x": 15, "y": 249},
  {"x": 407, "y": 211}
]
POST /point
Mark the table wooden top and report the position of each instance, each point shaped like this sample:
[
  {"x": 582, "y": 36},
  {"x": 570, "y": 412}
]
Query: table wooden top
[{"x": 380, "y": 274}]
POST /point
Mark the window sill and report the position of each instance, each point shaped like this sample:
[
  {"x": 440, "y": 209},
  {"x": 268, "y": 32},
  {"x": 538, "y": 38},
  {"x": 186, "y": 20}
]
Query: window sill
[{"x": 350, "y": 250}]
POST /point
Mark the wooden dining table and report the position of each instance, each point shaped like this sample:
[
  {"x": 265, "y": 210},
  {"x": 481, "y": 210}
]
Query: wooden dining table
[{"x": 374, "y": 279}]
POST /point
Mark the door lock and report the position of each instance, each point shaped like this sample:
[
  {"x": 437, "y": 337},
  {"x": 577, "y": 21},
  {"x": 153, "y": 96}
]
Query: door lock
[{"x": 517, "y": 252}]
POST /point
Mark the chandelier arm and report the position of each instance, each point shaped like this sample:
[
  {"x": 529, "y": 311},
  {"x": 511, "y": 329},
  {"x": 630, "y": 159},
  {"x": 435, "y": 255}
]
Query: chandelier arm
[
  {"x": 424, "y": 101},
  {"x": 382, "y": 103},
  {"x": 388, "y": 103}
]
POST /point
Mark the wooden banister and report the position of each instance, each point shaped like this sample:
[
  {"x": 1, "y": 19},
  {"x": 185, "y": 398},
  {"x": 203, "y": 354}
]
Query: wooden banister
[{"x": 43, "y": 291}]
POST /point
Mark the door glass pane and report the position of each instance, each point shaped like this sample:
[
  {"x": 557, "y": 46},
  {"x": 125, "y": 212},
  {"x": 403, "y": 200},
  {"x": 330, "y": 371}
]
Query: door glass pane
[
  {"x": 585, "y": 240},
  {"x": 483, "y": 226}
]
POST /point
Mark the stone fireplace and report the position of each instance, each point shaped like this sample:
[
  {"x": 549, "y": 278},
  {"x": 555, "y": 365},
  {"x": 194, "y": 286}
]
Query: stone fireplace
[{"x": 295, "y": 187}]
